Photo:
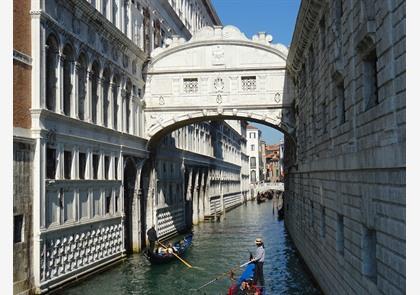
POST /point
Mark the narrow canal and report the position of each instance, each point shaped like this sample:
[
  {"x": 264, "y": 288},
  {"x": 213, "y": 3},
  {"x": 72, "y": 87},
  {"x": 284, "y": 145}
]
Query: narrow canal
[{"x": 217, "y": 247}]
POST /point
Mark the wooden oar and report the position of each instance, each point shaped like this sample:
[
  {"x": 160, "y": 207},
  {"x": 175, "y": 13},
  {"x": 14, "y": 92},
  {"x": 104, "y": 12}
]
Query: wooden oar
[
  {"x": 176, "y": 255},
  {"x": 222, "y": 275}
]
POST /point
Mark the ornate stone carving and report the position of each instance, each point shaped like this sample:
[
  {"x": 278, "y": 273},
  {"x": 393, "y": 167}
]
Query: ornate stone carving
[
  {"x": 218, "y": 55},
  {"x": 66, "y": 253},
  {"x": 219, "y": 99},
  {"x": 219, "y": 85},
  {"x": 161, "y": 101}
]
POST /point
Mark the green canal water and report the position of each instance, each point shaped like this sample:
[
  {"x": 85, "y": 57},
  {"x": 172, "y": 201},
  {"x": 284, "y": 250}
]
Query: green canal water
[{"x": 217, "y": 247}]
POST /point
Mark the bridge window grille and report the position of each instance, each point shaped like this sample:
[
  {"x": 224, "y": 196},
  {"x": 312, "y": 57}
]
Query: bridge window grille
[
  {"x": 190, "y": 85},
  {"x": 249, "y": 83}
]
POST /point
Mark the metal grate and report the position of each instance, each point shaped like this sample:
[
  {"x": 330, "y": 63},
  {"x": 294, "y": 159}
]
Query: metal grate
[
  {"x": 191, "y": 85},
  {"x": 249, "y": 83}
]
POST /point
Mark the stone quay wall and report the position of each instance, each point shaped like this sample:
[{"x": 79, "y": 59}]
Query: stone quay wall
[{"x": 345, "y": 193}]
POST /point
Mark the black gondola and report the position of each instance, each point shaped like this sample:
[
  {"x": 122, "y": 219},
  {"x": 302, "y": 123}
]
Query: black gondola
[{"x": 179, "y": 247}]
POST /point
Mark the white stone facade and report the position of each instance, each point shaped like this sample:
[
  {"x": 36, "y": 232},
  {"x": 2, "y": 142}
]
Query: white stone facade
[
  {"x": 89, "y": 145},
  {"x": 345, "y": 184}
]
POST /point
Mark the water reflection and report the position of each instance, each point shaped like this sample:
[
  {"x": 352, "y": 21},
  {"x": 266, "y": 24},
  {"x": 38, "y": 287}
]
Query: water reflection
[{"x": 217, "y": 247}]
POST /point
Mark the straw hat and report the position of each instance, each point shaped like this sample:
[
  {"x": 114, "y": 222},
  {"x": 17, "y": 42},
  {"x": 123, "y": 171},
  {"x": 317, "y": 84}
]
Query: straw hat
[{"x": 258, "y": 241}]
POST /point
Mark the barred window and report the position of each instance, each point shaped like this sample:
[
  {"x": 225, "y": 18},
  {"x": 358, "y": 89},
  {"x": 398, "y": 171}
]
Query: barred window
[
  {"x": 190, "y": 85},
  {"x": 249, "y": 83}
]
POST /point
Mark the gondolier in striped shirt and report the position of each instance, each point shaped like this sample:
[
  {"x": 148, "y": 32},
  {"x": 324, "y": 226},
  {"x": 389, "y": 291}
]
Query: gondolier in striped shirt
[{"x": 259, "y": 262}]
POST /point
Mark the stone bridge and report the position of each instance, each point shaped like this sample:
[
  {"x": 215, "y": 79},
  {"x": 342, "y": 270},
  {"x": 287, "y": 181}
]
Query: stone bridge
[
  {"x": 275, "y": 186},
  {"x": 218, "y": 74}
]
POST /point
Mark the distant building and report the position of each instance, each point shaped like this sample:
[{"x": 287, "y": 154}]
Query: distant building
[
  {"x": 273, "y": 160},
  {"x": 253, "y": 135}
]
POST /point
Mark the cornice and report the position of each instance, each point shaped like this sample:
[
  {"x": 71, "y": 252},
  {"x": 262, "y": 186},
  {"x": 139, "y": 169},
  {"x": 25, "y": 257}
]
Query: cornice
[{"x": 309, "y": 15}]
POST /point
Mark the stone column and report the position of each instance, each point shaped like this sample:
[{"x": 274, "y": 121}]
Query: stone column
[
  {"x": 202, "y": 197},
  {"x": 111, "y": 104},
  {"x": 121, "y": 110},
  {"x": 88, "y": 99},
  {"x": 195, "y": 198},
  {"x": 100, "y": 102},
  {"x": 75, "y": 93},
  {"x": 60, "y": 93}
]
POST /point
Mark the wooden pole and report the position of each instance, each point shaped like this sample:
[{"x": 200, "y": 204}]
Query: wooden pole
[{"x": 176, "y": 255}]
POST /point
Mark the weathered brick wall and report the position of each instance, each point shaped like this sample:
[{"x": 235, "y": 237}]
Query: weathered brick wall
[
  {"x": 21, "y": 70},
  {"x": 22, "y": 205},
  {"x": 355, "y": 170},
  {"x": 21, "y": 95}
]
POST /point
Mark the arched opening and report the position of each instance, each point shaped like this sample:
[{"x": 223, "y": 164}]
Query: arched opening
[
  {"x": 189, "y": 191},
  {"x": 127, "y": 110},
  {"x": 115, "y": 90},
  {"x": 51, "y": 63},
  {"x": 81, "y": 85},
  {"x": 94, "y": 77},
  {"x": 130, "y": 173},
  {"x": 106, "y": 75},
  {"x": 67, "y": 78}
]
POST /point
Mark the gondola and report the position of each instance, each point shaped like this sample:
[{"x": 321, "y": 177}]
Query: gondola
[
  {"x": 260, "y": 199},
  {"x": 179, "y": 247},
  {"x": 245, "y": 285}
]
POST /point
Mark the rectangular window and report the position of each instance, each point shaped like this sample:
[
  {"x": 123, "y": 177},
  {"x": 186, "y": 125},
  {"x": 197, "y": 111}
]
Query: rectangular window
[
  {"x": 370, "y": 80},
  {"x": 17, "y": 228},
  {"x": 117, "y": 199},
  {"x": 51, "y": 163},
  {"x": 82, "y": 165},
  {"x": 95, "y": 163},
  {"x": 340, "y": 234},
  {"x": 252, "y": 147},
  {"x": 190, "y": 85},
  {"x": 323, "y": 222},
  {"x": 324, "y": 118},
  {"x": 249, "y": 83},
  {"x": 322, "y": 32},
  {"x": 146, "y": 31},
  {"x": 108, "y": 203},
  {"x": 67, "y": 164},
  {"x": 369, "y": 254},
  {"x": 106, "y": 162},
  {"x": 116, "y": 168},
  {"x": 341, "y": 103},
  {"x": 253, "y": 162},
  {"x": 83, "y": 203}
]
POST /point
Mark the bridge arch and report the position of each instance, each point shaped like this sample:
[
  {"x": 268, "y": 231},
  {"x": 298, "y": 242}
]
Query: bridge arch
[{"x": 218, "y": 74}]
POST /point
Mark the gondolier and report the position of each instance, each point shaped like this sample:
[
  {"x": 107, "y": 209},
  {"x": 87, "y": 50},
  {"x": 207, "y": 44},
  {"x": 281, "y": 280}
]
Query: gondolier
[
  {"x": 152, "y": 237},
  {"x": 259, "y": 262}
]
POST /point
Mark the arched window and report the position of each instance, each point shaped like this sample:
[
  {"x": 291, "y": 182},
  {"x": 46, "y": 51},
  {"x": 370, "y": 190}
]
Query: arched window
[
  {"x": 51, "y": 62},
  {"x": 128, "y": 89},
  {"x": 67, "y": 83},
  {"x": 81, "y": 85},
  {"x": 94, "y": 90},
  {"x": 115, "y": 86},
  {"x": 105, "y": 94},
  {"x": 253, "y": 177}
]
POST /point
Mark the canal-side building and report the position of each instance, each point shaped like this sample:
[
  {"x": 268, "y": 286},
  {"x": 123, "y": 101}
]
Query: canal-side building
[
  {"x": 23, "y": 149},
  {"x": 79, "y": 143},
  {"x": 253, "y": 135},
  {"x": 345, "y": 182},
  {"x": 273, "y": 158}
]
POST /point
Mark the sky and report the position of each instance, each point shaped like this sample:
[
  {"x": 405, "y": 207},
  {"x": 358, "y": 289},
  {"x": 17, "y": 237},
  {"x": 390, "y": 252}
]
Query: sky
[{"x": 275, "y": 17}]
